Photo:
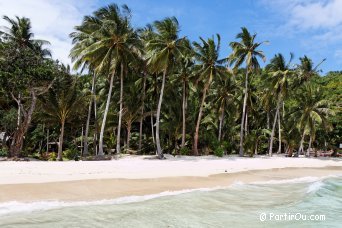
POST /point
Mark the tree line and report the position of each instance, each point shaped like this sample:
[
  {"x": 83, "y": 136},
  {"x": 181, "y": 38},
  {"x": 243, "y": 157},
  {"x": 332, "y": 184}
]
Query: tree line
[{"x": 149, "y": 90}]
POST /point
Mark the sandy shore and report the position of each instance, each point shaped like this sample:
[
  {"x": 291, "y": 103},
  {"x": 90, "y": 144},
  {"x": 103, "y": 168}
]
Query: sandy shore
[{"x": 75, "y": 181}]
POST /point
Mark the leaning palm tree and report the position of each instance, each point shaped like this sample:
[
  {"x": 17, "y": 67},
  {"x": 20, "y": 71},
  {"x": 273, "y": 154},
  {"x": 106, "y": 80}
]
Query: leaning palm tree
[
  {"x": 281, "y": 76},
  {"x": 312, "y": 112},
  {"x": 245, "y": 51},
  {"x": 163, "y": 50},
  {"x": 207, "y": 55},
  {"x": 106, "y": 40}
]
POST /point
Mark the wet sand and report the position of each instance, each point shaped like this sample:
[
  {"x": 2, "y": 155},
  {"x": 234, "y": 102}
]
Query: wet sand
[{"x": 110, "y": 188}]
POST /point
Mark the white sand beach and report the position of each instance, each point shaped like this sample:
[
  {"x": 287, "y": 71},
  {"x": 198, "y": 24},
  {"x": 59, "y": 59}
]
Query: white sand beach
[
  {"x": 140, "y": 167},
  {"x": 97, "y": 180}
]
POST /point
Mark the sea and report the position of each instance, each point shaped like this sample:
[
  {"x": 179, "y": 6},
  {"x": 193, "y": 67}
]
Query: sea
[{"x": 300, "y": 202}]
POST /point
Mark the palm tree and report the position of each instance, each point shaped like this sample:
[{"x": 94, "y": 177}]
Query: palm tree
[
  {"x": 108, "y": 43},
  {"x": 226, "y": 89},
  {"x": 163, "y": 50},
  {"x": 281, "y": 74},
  {"x": 306, "y": 70},
  {"x": 20, "y": 33},
  {"x": 245, "y": 51},
  {"x": 61, "y": 104},
  {"x": 184, "y": 72},
  {"x": 312, "y": 111},
  {"x": 207, "y": 55}
]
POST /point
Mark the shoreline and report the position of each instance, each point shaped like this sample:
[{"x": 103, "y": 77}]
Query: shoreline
[
  {"x": 145, "y": 167},
  {"x": 108, "y": 189}
]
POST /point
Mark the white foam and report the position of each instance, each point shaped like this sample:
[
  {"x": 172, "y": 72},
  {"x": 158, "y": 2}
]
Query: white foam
[
  {"x": 289, "y": 181},
  {"x": 308, "y": 179},
  {"x": 315, "y": 186},
  {"x": 19, "y": 207}
]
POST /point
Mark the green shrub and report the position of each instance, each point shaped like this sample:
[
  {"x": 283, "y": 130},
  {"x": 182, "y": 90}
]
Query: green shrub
[
  {"x": 71, "y": 154},
  {"x": 52, "y": 156},
  {"x": 184, "y": 151},
  {"x": 3, "y": 152},
  {"x": 219, "y": 152},
  {"x": 35, "y": 155}
]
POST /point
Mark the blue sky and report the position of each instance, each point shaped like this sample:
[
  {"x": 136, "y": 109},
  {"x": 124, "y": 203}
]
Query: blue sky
[{"x": 311, "y": 27}]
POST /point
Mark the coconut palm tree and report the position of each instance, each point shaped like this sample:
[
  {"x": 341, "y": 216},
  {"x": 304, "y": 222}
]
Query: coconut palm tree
[
  {"x": 281, "y": 76},
  {"x": 245, "y": 51},
  {"x": 108, "y": 44},
  {"x": 226, "y": 90},
  {"x": 312, "y": 112},
  {"x": 184, "y": 73},
  {"x": 163, "y": 50},
  {"x": 20, "y": 33},
  {"x": 61, "y": 104},
  {"x": 207, "y": 55}
]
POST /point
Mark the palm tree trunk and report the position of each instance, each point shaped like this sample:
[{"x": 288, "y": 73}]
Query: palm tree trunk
[
  {"x": 96, "y": 133},
  {"x": 85, "y": 141},
  {"x": 159, "y": 150},
  {"x": 152, "y": 128},
  {"x": 279, "y": 134},
  {"x": 47, "y": 140},
  {"x": 184, "y": 107},
  {"x": 256, "y": 147},
  {"x": 273, "y": 129},
  {"x": 101, "y": 153},
  {"x": 241, "y": 152},
  {"x": 309, "y": 148},
  {"x": 118, "y": 138},
  {"x": 195, "y": 146},
  {"x": 142, "y": 112},
  {"x": 221, "y": 123},
  {"x": 300, "y": 150},
  {"x": 129, "y": 127},
  {"x": 82, "y": 136},
  {"x": 60, "y": 143},
  {"x": 246, "y": 122}
]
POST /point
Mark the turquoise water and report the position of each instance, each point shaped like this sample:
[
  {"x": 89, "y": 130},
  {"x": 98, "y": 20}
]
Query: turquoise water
[{"x": 239, "y": 205}]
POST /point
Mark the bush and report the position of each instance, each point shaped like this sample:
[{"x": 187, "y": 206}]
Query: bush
[
  {"x": 53, "y": 156},
  {"x": 219, "y": 152},
  {"x": 184, "y": 151},
  {"x": 3, "y": 152},
  {"x": 71, "y": 154}
]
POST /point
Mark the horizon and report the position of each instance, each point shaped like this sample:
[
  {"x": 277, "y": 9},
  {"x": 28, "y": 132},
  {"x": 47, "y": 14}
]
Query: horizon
[{"x": 289, "y": 26}]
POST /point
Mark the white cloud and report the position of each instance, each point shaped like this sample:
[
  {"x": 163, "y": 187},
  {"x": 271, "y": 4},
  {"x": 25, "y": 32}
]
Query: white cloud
[
  {"x": 317, "y": 14},
  {"x": 323, "y": 17},
  {"x": 51, "y": 20}
]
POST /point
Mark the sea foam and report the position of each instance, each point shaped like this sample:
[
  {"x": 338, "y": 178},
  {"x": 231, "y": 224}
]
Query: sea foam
[{"x": 25, "y": 207}]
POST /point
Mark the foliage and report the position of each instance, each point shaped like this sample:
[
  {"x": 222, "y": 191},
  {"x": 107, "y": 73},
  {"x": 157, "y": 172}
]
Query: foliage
[
  {"x": 3, "y": 152},
  {"x": 71, "y": 154},
  {"x": 219, "y": 152},
  {"x": 184, "y": 151},
  {"x": 177, "y": 95}
]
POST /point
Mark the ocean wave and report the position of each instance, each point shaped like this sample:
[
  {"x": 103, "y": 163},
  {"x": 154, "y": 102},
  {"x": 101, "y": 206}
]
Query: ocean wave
[
  {"x": 315, "y": 186},
  {"x": 308, "y": 179},
  {"x": 19, "y": 207},
  {"x": 13, "y": 207}
]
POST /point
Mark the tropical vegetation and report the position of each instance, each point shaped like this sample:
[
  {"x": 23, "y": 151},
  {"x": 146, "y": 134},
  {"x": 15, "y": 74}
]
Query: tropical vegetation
[{"x": 153, "y": 91}]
